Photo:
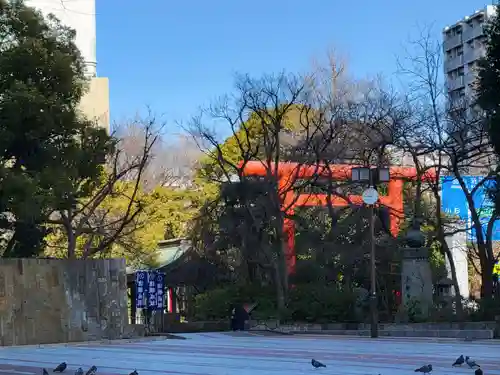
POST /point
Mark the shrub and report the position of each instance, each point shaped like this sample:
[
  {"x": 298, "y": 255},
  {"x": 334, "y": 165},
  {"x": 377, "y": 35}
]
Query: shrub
[
  {"x": 216, "y": 303},
  {"x": 483, "y": 310},
  {"x": 306, "y": 303},
  {"x": 321, "y": 304}
]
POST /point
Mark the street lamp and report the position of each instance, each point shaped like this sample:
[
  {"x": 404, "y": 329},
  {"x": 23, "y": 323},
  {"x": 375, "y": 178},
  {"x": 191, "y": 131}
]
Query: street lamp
[{"x": 371, "y": 176}]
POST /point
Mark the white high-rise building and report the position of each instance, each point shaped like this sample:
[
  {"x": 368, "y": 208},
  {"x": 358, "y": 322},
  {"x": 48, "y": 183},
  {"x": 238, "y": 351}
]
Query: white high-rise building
[
  {"x": 464, "y": 45},
  {"x": 80, "y": 15}
]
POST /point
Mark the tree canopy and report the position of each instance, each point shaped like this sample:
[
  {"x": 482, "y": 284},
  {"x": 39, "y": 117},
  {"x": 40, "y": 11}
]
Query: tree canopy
[
  {"x": 48, "y": 152},
  {"x": 489, "y": 81}
]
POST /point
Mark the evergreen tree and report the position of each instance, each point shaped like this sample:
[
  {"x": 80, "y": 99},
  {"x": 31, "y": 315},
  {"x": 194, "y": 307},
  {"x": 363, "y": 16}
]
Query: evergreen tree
[
  {"x": 488, "y": 93},
  {"x": 46, "y": 147}
]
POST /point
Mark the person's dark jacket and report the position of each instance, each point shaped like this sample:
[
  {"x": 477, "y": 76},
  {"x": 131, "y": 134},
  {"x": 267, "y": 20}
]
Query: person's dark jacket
[{"x": 238, "y": 317}]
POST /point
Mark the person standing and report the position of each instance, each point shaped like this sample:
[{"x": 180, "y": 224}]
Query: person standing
[{"x": 238, "y": 317}]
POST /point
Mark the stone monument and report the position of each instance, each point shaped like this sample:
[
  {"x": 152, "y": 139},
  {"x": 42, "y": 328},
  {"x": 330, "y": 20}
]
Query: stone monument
[{"x": 416, "y": 277}]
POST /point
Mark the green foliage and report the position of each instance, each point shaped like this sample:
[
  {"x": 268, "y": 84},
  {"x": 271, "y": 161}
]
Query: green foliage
[
  {"x": 48, "y": 152},
  {"x": 321, "y": 303},
  {"x": 216, "y": 303},
  {"x": 487, "y": 93},
  {"x": 166, "y": 215},
  {"x": 307, "y": 303},
  {"x": 236, "y": 229},
  {"x": 437, "y": 262},
  {"x": 253, "y": 140},
  {"x": 25, "y": 241},
  {"x": 414, "y": 311},
  {"x": 489, "y": 80}
]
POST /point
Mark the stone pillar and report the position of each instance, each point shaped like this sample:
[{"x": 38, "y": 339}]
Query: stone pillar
[
  {"x": 416, "y": 279},
  {"x": 416, "y": 276}
]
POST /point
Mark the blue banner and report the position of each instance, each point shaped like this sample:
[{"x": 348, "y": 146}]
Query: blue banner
[
  {"x": 152, "y": 300},
  {"x": 454, "y": 203},
  {"x": 160, "y": 291},
  {"x": 141, "y": 278}
]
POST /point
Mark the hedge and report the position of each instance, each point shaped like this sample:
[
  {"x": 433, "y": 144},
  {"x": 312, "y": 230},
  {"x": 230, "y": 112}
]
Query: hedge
[{"x": 306, "y": 303}]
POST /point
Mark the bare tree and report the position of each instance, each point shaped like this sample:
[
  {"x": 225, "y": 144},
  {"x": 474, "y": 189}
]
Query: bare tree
[
  {"x": 305, "y": 120},
  {"x": 172, "y": 157},
  {"x": 264, "y": 119},
  {"x": 360, "y": 117},
  {"x": 174, "y": 162},
  {"x": 442, "y": 133},
  {"x": 109, "y": 214}
]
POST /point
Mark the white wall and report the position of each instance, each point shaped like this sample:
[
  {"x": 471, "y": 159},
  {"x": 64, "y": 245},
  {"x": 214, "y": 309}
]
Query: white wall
[
  {"x": 457, "y": 243},
  {"x": 79, "y": 15}
]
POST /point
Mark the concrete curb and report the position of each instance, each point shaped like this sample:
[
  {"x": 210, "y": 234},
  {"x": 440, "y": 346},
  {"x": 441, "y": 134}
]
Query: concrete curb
[
  {"x": 97, "y": 342},
  {"x": 470, "y": 335},
  {"x": 271, "y": 331},
  {"x": 412, "y": 339}
]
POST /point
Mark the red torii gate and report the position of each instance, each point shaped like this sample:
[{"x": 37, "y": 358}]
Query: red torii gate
[{"x": 288, "y": 172}]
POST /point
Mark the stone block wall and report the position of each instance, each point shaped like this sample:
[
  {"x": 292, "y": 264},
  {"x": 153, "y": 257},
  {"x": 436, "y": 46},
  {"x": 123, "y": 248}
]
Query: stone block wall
[{"x": 61, "y": 300}]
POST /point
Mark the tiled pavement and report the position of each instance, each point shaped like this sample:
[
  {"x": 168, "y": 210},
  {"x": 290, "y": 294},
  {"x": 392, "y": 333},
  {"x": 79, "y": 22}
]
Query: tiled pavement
[{"x": 247, "y": 353}]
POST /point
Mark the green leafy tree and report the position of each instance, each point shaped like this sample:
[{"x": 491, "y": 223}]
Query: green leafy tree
[
  {"x": 45, "y": 144},
  {"x": 488, "y": 98},
  {"x": 489, "y": 81},
  {"x": 168, "y": 214}
]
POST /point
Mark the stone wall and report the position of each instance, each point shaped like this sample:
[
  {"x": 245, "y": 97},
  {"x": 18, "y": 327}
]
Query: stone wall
[
  {"x": 61, "y": 300},
  {"x": 468, "y": 330}
]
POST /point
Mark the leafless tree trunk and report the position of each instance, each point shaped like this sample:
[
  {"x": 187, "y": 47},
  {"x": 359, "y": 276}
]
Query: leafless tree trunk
[
  {"x": 93, "y": 220},
  {"x": 265, "y": 117},
  {"x": 424, "y": 135}
]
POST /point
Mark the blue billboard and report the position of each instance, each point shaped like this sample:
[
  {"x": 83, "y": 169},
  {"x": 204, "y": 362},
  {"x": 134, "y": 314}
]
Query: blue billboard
[{"x": 454, "y": 203}]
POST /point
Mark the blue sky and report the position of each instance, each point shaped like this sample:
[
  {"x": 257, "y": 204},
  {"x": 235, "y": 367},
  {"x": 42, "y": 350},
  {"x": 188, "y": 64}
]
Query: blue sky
[{"x": 176, "y": 56}]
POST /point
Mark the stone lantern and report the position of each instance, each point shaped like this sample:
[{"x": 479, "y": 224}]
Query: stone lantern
[{"x": 416, "y": 276}]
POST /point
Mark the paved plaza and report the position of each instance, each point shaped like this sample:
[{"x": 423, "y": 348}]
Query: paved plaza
[{"x": 247, "y": 353}]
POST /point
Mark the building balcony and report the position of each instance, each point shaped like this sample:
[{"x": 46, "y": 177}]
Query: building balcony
[
  {"x": 452, "y": 42},
  {"x": 473, "y": 55},
  {"x": 453, "y": 63},
  {"x": 470, "y": 79},
  {"x": 455, "y": 84},
  {"x": 470, "y": 33}
]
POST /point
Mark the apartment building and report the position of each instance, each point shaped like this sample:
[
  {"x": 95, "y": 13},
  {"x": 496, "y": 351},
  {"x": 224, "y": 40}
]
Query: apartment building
[{"x": 464, "y": 45}]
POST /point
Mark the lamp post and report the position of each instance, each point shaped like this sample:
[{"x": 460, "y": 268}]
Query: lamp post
[{"x": 371, "y": 176}]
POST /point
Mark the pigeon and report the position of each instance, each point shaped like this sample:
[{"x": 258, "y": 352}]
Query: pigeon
[
  {"x": 471, "y": 363},
  {"x": 425, "y": 369},
  {"x": 317, "y": 364},
  {"x": 45, "y": 372},
  {"x": 478, "y": 372},
  {"x": 92, "y": 371},
  {"x": 79, "y": 371},
  {"x": 459, "y": 361},
  {"x": 61, "y": 367},
  {"x": 136, "y": 373}
]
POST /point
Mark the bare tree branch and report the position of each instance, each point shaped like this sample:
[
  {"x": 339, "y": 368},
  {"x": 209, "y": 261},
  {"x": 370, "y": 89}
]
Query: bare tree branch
[{"x": 112, "y": 209}]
